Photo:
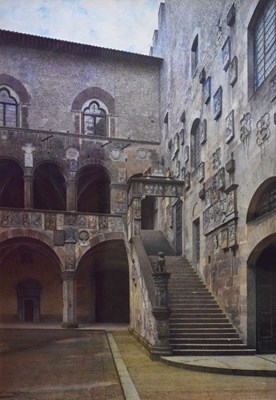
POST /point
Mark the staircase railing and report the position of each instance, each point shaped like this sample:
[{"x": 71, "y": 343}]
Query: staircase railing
[{"x": 149, "y": 300}]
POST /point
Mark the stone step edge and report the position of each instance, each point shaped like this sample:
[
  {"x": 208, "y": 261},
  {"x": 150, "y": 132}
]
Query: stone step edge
[{"x": 174, "y": 361}]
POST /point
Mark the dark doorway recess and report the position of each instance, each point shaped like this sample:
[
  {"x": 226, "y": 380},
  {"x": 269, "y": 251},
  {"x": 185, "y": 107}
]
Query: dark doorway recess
[
  {"x": 266, "y": 300},
  {"x": 28, "y": 300},
  {"x": 49, "y": 188},
  {"x": 94, "y": 190},
  {"x": 147, "y": 212},
  {"x": 11, "y": 184}
]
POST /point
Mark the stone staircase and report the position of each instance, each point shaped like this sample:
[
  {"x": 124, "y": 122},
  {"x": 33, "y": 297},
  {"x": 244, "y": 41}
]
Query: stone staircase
[{"x": 198, "y": 326}]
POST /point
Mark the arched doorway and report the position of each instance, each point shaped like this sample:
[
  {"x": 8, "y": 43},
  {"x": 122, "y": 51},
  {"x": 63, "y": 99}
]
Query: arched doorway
[
  {"x": 103, "y": 284},
  {"x": 266, "y": 299},
  {"x": 30, "y": 282},
  {"x": 93, "y": 190}
]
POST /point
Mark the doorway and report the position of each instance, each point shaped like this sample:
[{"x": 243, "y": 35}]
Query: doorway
[
  {"x": 28, "y": 310},
  {"x": 266, "y": 300}
]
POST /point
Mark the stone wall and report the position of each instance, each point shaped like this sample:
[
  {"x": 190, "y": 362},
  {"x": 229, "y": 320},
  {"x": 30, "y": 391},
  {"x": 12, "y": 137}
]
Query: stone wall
[{"x": 236, "y": 134}]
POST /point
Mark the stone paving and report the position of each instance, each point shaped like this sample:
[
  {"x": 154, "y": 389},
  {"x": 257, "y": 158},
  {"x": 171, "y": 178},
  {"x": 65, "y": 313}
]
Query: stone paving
[{"x": 57, "y": 365}]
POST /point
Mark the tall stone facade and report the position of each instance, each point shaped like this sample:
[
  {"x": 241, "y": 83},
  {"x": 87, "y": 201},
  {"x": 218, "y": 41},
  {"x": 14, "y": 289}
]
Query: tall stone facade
[{"x": 218, "y": 131}]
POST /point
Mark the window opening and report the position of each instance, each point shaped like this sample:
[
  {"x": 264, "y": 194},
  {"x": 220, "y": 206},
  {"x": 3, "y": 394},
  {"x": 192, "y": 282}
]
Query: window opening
[
  {"x": 8, "y": 109},
  {"x": 265, "y": 43},
  {"x": 94, "y": 120}
]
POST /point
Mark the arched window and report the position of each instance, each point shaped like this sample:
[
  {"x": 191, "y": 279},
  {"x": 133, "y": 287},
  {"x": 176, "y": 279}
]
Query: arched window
[
  {"x": 8, "y": 108},
  {"x": 195, "y": 144},
  {"x": 94, "y": 119},
  {"x": 264, "y": 38},
  {"x": 263, "y": 201}
]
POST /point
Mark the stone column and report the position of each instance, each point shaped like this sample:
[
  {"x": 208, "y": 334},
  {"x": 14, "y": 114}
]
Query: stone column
[
  {"x": 71, "y": 194},
  {"x": 92, "y": 296},
  {"x": 134, "y": 217},
  {"x": 161, "y": 313},
  {"x": 69, "y": 299},
  {"x": 28, "y": 190}
]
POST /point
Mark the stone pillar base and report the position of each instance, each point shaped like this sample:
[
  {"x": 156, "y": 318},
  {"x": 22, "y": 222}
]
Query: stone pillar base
[{"x": 69, "y": 325}]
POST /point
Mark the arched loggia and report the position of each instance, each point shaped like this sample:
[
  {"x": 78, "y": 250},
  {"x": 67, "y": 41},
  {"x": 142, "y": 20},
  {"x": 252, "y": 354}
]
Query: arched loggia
[{"x": 11, "y": 184}]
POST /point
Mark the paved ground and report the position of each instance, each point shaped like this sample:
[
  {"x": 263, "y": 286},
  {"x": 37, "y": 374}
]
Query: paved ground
[
  {"x": 57, "y": 365},
  {"x": 78, "y": 365},
  {"x": 156, "y": 381}
]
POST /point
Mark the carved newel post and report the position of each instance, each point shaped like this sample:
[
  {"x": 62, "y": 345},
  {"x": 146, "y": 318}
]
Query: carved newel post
[{"x": 160, "y": 309}]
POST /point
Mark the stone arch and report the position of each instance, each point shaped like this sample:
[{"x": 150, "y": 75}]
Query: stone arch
[
  {"x": 100, "y": 238},
  {"x": 252, "y": 212},
  {"x": 98, "y": 162},
  {"x": 29, "y": 233},
  {"x": 94, "y": 93},
  {"x": 17, "y": 86},
  {"x": 103, "y": 274},
  {"x": 61, "y": 165}
]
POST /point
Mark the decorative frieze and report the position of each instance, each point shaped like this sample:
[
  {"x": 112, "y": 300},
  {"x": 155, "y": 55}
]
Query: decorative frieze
[
  {"x": 122, "y": 175},
  {"x": 230, "y": 128},
  {"x": 22, "y": 219}
]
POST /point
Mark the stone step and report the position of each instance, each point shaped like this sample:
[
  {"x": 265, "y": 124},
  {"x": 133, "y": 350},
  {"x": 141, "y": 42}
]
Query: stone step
[
  {"x": 178, "y": 311},
  {"x": 194, "y": 306},
  {"x": 214, "y": 352},
  {"x": 209, "y": 346},
  {"x": 178, "y": 342},
  {"x": 187, "y": 335},
  {"x": 201, "y": 324},
  {"x": 201, "y": 318}
]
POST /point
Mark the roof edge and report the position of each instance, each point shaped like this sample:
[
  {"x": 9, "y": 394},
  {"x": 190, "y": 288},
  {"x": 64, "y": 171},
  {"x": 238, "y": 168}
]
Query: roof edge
[{"x": 64, "y": 46}]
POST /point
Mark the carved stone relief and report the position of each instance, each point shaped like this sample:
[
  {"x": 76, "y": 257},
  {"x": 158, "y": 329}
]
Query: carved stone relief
[
  {"x": 220, "y": 212},
  {"x": 70, "y": 236},
  {"x": 245, "y": 128},
  {"x": 103, "y": 223},
  {"x": 263, "y": 131},
  {"x": 217, "y": 159},
  {"x": 122, "y": 175},
  {"x": 229, "y": 129},
  {"x": 93, "y": 222},
  {"x": 50, "y": 222},
  {"x": 115, "y": 225},
  {"x": 28, "y": 156},
  {"x": 84, "y": 238},
  {"x": 59, "y": 238},
  {"x": 142, "y": 154}
]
